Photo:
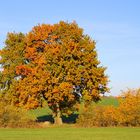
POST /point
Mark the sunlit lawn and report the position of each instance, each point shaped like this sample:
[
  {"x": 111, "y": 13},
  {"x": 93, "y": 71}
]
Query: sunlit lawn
[{"x": 70, "y": 134}]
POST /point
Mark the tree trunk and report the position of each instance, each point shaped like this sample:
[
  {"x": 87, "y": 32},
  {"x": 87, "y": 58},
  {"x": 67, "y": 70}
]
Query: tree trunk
[
  {"x": 57, "y": 117},
  {"x": 58, "y": 120}
]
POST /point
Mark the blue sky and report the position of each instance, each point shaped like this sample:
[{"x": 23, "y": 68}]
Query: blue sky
[{"x": 113, "y": 24}]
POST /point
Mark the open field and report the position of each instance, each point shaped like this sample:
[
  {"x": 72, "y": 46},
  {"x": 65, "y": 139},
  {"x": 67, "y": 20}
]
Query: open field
[{"x": 71, "y": 134}]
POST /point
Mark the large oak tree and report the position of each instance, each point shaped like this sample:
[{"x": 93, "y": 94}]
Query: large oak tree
[{"x": 61, "y": 67}]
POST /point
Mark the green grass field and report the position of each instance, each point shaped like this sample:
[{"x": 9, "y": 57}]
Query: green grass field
[{"x": 71, "y": 134}]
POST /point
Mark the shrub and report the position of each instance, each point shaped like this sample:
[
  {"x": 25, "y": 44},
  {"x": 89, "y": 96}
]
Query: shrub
[
  {"x": 126, "y": 114},
  {"x": 14, "y": 117},
  {"x": 129, "y": 108},
  {"x": 98, "y": 116}
]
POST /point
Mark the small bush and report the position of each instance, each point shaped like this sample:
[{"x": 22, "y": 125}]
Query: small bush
[
  {"x": 101, "y": 116},
  {"x": 126, "y": 114},
  {"x": 14, "y": 117},
  {"x": 129, "y": 108}
]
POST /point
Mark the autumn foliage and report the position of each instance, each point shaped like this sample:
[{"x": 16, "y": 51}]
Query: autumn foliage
[
  {"x": 129, "y": 109},
  {"x": 11, "y": 116},
  {"x": 126, "y": 114},
  {"x": 12, "y": 55},
  {"x": 53, "y": 63}
]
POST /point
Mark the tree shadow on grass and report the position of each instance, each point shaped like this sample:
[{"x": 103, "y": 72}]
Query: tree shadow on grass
[
  {"x": 45, "y": 118},
  {"x": 71, "y": 119}
]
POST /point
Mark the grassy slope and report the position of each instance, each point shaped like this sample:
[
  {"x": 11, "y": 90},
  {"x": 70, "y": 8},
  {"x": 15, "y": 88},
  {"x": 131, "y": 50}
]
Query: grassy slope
[
  {"x": 109, "y": 101},
  {"x": 71, "y": 134}
]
